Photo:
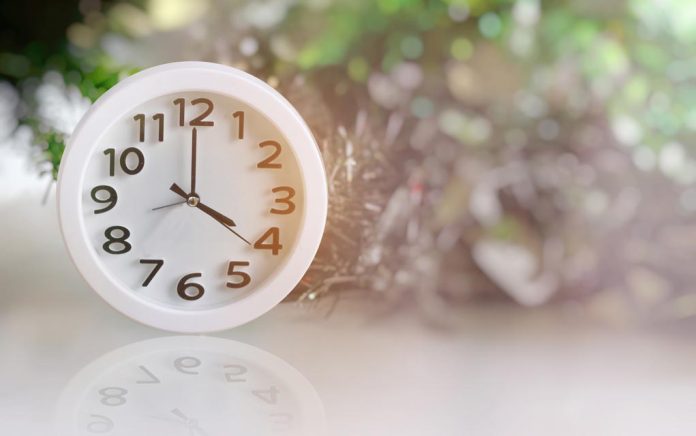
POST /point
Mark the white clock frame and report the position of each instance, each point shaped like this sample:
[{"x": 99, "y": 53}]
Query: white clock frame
[{"x": 185, "y": 77}]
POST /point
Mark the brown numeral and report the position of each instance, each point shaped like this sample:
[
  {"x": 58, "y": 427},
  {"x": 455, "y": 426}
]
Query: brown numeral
[
  {"x": 200, "y": 120},
  {"x": 140, "y": 119},
  {"x": 182, "y": 288},
  {"x": 268, "y": 162},
  {"x": 158, "y": 264},
  {"x": 274, "y": 234},
  {"x": 124, "y": 161},
  {"x": 244, "y": 278},
  {"x": 287, "y": 200},
  {"x": 182, "y": 116},
  {"x": 239, "y": 115},
  {"x": 111, "y": 199},
  {"x": 120, "y": 240},
  {"x": 111, "y": 153},
  {"x": 160, "y": 122}
]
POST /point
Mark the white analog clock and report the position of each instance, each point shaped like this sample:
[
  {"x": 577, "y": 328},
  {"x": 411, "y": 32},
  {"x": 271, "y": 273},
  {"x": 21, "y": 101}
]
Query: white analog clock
[
  {"x": 192, "y": 197},
  {"x": 192, "y": 385}
]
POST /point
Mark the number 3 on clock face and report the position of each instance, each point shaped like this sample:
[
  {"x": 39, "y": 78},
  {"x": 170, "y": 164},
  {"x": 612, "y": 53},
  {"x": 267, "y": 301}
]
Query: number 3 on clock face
[{"x": 192, "y": 197}]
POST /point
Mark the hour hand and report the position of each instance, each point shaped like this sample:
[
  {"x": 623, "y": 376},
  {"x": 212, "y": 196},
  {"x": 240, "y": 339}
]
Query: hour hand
[{"x": 178, "y": 191}]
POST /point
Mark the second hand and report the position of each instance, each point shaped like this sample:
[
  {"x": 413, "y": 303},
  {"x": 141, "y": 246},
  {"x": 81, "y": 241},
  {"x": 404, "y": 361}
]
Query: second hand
[{"x": 169, "y": 205}]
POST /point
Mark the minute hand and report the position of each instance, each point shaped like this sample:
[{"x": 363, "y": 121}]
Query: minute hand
[
  {"x": 222, "y": 219},
  {"x": 216, "y": 215}
]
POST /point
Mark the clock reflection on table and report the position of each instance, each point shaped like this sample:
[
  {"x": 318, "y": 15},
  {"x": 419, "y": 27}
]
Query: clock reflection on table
[{"x": 189, "y": 386}]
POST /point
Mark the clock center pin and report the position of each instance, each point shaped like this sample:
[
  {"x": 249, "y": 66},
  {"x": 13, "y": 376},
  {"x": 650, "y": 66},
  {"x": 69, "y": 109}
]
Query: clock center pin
[{"x": 193, "y": 200}]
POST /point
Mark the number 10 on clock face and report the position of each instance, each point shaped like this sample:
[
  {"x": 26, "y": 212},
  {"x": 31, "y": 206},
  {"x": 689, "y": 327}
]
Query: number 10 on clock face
[{"x": 192, "y": 200}]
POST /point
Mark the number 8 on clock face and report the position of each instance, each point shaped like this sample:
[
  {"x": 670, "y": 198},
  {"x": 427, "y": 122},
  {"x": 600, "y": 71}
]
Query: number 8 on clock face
[{"x": 192, "y": 197}]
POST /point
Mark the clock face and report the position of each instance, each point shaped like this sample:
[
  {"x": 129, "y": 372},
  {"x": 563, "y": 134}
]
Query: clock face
[
  {"x": 190, "y": 386},
  {"x": 192, "y": 197}
]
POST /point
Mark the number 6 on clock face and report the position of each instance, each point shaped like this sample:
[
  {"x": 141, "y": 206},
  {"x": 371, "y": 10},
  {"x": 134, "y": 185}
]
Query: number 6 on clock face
[{"x": 192, "y": 197}]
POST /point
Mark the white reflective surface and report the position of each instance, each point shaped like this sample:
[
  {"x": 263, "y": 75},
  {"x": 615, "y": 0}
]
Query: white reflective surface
[
  {"x": 189, "y": 385},
  {"x": 499, "y": 370}
]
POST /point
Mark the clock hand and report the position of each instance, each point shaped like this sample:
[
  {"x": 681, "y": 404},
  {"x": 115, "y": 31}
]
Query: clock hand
[
  {"x": 169, "y": 205},
  {"x": 194, "y": 140},
  {"x": 226, "y": 222},
  {"x": 203, "y": 207},
  {"x": 178, "y": 191},
  {"x": 216, "y": 215},
  {"x": 232, "y": 230},
  {"x": 222, "y": 219}
]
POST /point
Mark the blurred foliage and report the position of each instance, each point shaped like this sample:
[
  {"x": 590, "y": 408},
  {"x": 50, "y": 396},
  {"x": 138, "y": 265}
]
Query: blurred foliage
[
  {"x": 515, "y": 122},
  {"x": 55, "y": 146},
  {"x": 635, "y": 56}
]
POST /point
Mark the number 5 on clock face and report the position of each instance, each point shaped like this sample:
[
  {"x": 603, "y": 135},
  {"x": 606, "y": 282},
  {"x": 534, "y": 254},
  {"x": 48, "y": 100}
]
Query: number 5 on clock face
[{"x": 196, "y": 200}]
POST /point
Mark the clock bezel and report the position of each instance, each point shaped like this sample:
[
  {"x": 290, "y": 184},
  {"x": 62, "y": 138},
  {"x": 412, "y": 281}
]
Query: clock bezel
[{"x": 168, "y": 79}]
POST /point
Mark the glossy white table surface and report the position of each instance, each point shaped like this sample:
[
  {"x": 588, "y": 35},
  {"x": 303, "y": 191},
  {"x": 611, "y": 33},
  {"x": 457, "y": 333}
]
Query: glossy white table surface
[{"x": 498, "y": 370}]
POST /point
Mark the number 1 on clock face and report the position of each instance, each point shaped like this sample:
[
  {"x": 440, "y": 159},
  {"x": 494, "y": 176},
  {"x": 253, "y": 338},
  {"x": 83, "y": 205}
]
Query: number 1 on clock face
[{"x": 193, "y": 198}]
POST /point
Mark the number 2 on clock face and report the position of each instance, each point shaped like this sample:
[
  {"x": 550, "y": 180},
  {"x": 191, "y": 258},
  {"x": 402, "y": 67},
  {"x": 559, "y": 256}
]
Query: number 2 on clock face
[{"x": 193, "y": 199}]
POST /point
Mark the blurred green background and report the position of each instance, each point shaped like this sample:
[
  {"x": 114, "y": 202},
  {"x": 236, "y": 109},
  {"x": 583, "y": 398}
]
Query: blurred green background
[{"x": 531, "y": 151}]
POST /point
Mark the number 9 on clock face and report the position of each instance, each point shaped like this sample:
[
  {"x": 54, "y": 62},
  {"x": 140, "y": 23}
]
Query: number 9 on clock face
[{"x": 192, "y": 197}]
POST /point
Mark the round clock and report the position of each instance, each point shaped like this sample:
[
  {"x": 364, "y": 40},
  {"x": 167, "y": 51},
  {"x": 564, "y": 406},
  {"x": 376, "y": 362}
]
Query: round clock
[
  {"x": 190, "y": 385},
  {"x": 192, "y": 197}
]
